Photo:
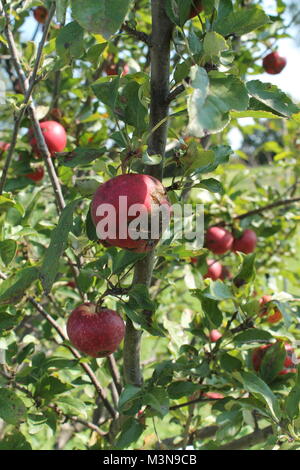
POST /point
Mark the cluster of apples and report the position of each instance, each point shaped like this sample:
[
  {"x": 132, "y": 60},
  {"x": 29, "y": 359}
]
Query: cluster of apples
[
  {"x": 99, "y": 331},
  {"x": 220, "y": 241}
]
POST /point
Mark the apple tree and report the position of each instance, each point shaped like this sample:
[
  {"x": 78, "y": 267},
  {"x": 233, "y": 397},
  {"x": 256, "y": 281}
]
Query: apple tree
[{"x": 95, "y": 93}]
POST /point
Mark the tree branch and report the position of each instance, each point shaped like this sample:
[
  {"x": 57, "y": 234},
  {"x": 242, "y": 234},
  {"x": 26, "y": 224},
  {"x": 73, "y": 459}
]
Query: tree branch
[
  {"x": 144, "y": 37},
  {"x": 245, "y": 442},
  {"x": 285, "y": 202},
  {"x": 28, "y": 88},
  {"x": 162, "y": 29}
]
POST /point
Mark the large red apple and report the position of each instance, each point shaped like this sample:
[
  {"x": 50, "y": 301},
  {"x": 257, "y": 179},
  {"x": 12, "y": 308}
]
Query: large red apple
[
  {"x": 218, "y": 240},
  {"x": 258, "y": 355},
  {"x": 121, "y": 202},
  {"x": 273, "y": 63},
  {"x": 214, "y": 270},
  {"x": 196, "y": 8},
  {"x": 272, "y": 317},
  {"x": 246, "y": 243},
  {"x": 95, "y": 332},
  {"x": 40, "y": 14},
  {"x": 54, "y": 134}
]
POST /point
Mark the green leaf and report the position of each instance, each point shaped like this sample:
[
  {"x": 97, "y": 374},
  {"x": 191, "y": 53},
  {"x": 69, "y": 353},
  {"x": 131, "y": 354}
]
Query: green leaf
[
  {"x": 293, "y": 400},
  {"x": 106, "y": 90},
  {"x": 221, "y": 155},
  {"x": 247, "y": 271},
  {"x": 255, "y": 385},
  {"x": 178, "y": 10},
  {"x": 209, "y": 104},
  {"x": 212, "y": 185},
  {"x": 61, "y": 9},
  {"x": 272, "y": 362},
  {"x": 15, "y": 287},
  {"x": 90, "y": 227},
  {"x": 129, "y": 394},
  {"x": 72, "y": 406},
  {"x": 80, "y": 156},
  {"x": 124, "y": 259},
  {"x": 57, "y": 246},
  {"x": 272, "y": 97},
  {"x": 158, "y": 400},
  {"x": 49, "y": 387},
  {"x": 242, "y": 21},
  {"x": 12, "y": 408},
  {"x": 211, "y": 309},
  {"x": 182, "y": 389},
  {"x": 140, "y": 293},
  {"x": 15, "y": 441},
  {"x": 252, "y": 335},
  {"x": 8, "y": 250},
  {"x": 69, "y": 42},
  {"x": 101, "y": 17},
  {"x": 214, "y": 44},
  {"x": 230, "y": 363},
  {"x": 131, "y": 431},
  {"x": 218, "y": 291}
]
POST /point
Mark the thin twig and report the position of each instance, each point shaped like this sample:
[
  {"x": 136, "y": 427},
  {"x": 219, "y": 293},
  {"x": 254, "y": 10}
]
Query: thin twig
[{"x": 144, "y": 37}]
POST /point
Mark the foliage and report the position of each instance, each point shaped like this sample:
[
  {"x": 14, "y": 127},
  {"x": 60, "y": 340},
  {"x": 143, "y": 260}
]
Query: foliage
[{"x": 51, "y": 262}]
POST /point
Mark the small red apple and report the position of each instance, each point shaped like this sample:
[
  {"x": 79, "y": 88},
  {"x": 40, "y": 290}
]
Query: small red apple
[
  {"x": 214, "y": 395},
  {"x": 95, "y": 332},
  {"x": 4, "y": 146},
  {"x": 71, "y": 284},
  {"x": 117, "y": 204},
  {"x": 273, "y": 63},
  {"x": 214, "y": 270},
  {"x": 218, "y": 240},
  {"x": 196, "y": 8},
  {"x": 246, "y": 243},
  {"x": 40, "y": 14},
  {"x": 214, "y": 336},
  {"x": 37, "y": 175},
  {"x": 54, "y": 134},
  {"x": 115, "y": 69},
  {"x": 258, "y": 355},
  {"x": 276, "y": 314}
]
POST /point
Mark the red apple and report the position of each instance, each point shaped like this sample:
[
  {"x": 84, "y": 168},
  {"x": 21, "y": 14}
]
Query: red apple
[
  {"x": 218, "y": 240},
  {"x": 3, "y": 147},
  {"x": 214, "y": 336},
  {"x": 273, "y": 63},
  {"x": 214, "y": 395},
  {"x": 115, "y": 69},
  {"x": 196, "y": 8},
  {"x": 258, "y": 355},
  {"x": 130, "y": 197},
  {"x": 276, "y": 314},
  {"x": 97, "y": 333},
  {"x": 37, "y": 175},
  {"x": 214, "y": 270},
  {"x": 40, "y": 14},
  {"x": 71, "y": 284},
  {"x": 246, "y": 243},
  {"x": 54, "y": 134}
]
